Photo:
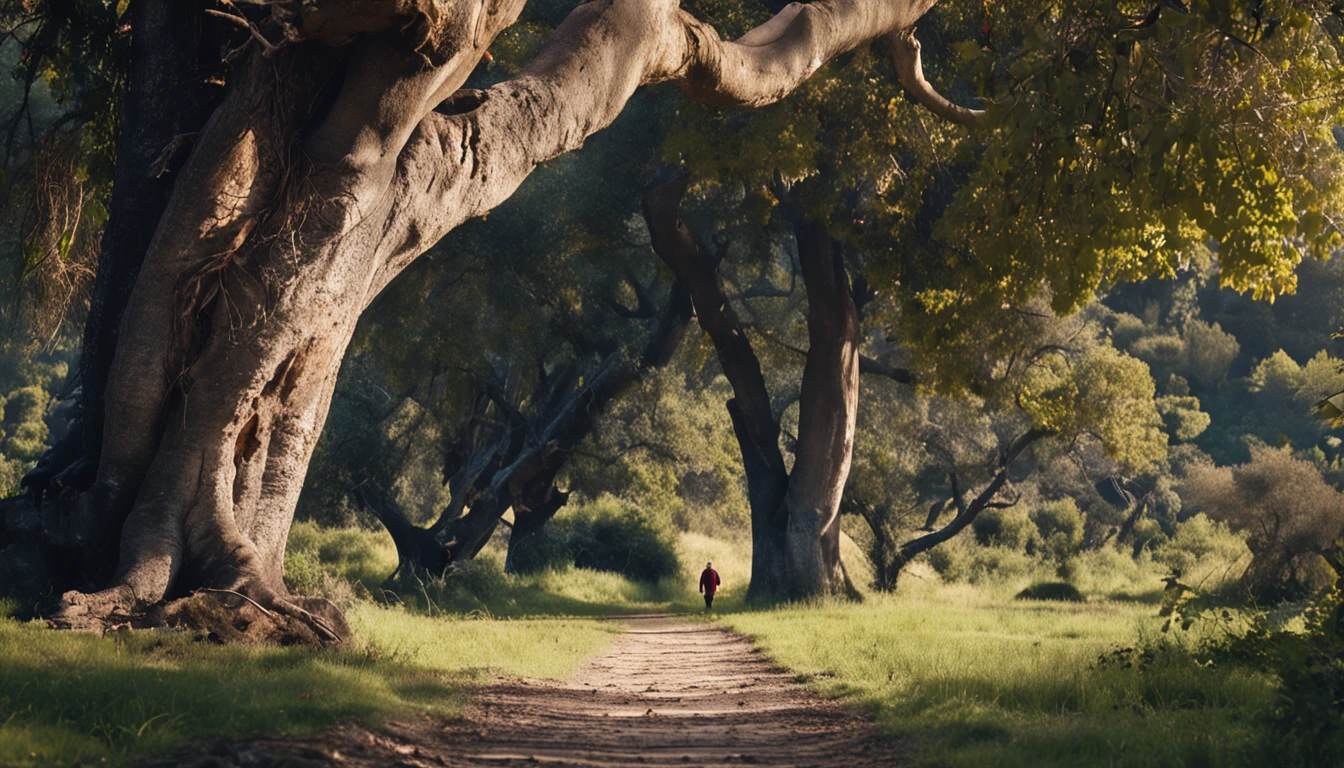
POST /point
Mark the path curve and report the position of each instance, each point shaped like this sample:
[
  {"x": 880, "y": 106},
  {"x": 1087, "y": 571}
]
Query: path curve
[{"x": 668, "y": 692}]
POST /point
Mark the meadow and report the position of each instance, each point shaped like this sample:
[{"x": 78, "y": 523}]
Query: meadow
[
  {"x": 968, "y": 676},
  {"x": 963, "y": 674}
]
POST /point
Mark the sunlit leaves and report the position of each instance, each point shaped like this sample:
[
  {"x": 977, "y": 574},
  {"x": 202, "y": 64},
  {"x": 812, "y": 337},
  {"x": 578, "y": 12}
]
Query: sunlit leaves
[{"x": 1104, "y": 394}]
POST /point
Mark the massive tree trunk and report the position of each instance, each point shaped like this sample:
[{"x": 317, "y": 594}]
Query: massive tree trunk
[
  {"x": 795, "y": 515},
  {"x": 341, "y": 151},
  {"x": 171, "y": 67}
]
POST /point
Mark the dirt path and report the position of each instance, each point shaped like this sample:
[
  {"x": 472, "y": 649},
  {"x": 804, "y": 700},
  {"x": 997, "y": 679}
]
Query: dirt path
[{"x": 666, "y": 693}]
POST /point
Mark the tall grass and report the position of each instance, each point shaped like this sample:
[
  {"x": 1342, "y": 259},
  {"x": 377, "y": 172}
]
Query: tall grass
[{"x": 973, "y": 678}]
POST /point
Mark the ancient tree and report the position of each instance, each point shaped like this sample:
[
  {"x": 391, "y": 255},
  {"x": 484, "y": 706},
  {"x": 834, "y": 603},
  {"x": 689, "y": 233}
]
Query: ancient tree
[{"x": 340, "y": 149}]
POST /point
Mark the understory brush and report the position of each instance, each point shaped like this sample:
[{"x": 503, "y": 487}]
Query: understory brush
[
  {"x": 1204, "y": 552},
  {"x": 1303, "y": 651},
  {"x": 605, "y": 535}
]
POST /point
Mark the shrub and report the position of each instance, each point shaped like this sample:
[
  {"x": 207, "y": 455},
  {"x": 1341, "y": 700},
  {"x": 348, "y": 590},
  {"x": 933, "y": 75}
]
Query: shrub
[
  {"x": 547, "y": 549},
  {"x": 1202, "y": 545},
  {"x": 962, "y": 560},
  {"x": 1003, "y": 528},
  {"x": 1052, "y": 590},
  {"x": 1060, "y": 527},
  {"x": 603, "y": 536},
  {"x": 1110, "y": 571},
  {"x": 303, "y": 571},
  {"x": 1308, "y": 663},
  {"x": 479, "y": 578}
]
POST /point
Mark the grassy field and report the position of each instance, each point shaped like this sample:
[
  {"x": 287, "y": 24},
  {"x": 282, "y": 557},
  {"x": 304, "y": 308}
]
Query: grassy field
[
  {"x": 965, "y": 674},
  {"x": 70, "y": 699},
  {"x": 330, "y": 561},
  {"x": 970, "y": 677}
]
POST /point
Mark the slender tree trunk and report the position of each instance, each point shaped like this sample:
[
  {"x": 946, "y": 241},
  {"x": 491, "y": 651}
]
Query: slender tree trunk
[{"x": 827, "y": 418}]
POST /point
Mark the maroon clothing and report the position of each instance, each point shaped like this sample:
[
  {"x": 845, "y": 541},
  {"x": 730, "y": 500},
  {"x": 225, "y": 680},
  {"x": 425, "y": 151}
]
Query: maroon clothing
[{"x": 709, "y": 581}]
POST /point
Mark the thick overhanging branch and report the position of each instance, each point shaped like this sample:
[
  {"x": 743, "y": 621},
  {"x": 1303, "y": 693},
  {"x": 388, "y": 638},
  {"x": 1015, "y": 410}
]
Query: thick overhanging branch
[
  {"x": 461, "y": 165},
  {"x": 909, "y": 66}
]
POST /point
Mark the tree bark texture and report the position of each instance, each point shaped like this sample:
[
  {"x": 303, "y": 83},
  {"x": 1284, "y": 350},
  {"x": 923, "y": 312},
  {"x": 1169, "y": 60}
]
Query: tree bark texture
[
  {"x": 342, "y": 150},
  {"x": 795, "y": 515}
]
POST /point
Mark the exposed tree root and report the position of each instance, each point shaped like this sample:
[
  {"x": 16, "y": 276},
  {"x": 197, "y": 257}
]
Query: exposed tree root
[{"x": 216, "y": 615}]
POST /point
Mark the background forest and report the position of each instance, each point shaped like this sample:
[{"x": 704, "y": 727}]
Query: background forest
[{"x": 1140, "y": 432}]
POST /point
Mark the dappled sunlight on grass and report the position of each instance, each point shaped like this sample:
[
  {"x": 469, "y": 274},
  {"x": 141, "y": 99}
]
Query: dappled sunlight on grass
[
  {"x": 975, "y": 678},
  {"x": 75, "y": 699}
]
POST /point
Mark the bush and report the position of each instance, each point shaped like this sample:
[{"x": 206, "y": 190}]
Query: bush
[
  {"x": 303, "y": 571},
  {"x": 547, "y": 549},
  {"x": 1052, "y": 590},
  {"x": 604, "y": 536},
  {"x": 479, "y": 578},
  {"x": 1110, "y": 571},
  {"x": 962, "y": 560},
  {"x": 1003, "y": 528},
  {"x": 1202, "y": 547},
  {"x": 1060, "y": 527},
  {"x": 1307, "y": 663}
]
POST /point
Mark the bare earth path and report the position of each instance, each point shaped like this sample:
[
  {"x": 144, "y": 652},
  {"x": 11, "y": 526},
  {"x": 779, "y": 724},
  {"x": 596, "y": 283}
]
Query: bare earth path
[{"x": 667, "y": 693}]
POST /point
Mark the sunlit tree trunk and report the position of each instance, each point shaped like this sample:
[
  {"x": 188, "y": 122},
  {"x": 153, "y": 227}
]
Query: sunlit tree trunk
[
  {"x": 795, "y": 515},
  {"x": 342, "y": 150}
]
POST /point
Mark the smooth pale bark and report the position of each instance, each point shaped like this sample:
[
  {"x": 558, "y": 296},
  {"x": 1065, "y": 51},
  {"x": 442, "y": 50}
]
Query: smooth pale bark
[{"x": 341, "y": 152}]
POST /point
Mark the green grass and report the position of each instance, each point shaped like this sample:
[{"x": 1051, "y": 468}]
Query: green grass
[
  {"x": 327, "y": 557},
  {"x": 965, "y": 673},
  {"x": 69, "y": 699},
  {"x": 973, "y": 678}
]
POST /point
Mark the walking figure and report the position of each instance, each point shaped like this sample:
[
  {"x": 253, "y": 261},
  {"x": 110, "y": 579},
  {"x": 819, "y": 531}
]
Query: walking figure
[{"x": 709, "y": 584}]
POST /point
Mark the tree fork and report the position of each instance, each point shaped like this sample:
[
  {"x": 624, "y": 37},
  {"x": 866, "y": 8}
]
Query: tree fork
[{"x": 795, "y": 515}]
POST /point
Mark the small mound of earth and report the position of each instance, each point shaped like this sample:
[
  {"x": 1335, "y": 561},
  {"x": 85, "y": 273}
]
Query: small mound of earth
[{"x": 666, "y": 693}]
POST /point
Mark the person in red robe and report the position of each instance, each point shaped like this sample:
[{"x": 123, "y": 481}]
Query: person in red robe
[{"x": 709, "y": 584}]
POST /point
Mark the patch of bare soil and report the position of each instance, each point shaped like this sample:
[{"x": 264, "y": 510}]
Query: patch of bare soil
[{"x": 667, "y": 693}]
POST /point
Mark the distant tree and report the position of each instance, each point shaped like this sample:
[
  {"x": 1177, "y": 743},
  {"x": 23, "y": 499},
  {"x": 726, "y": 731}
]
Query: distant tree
[
  {"x": 1287, "y": 512},
  {"x": 1049, "y": 379}
]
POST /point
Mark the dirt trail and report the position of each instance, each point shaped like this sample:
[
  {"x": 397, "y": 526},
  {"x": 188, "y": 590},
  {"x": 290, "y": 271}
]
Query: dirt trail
[{"x": 666, "y": 693}]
